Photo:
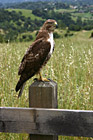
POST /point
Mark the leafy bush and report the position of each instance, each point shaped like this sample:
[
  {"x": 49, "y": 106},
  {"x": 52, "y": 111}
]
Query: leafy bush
[
  {"x": 26, "y": 38},
  {"x": 56, "y": 35},
  {"x": 91, "y": 36}
]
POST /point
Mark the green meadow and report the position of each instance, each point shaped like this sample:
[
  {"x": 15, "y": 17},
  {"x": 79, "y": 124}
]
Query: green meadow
[
  {"x": 75, "y": 14},
  {"x": 71, "y": 66},
  {"x": 65, "y": 10},
  {"x": 26, "y": 13},
  {"x": 84, "y": 16}
]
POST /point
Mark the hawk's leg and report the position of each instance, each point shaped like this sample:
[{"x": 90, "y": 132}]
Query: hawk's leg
[{"x": 42, "y": 78}]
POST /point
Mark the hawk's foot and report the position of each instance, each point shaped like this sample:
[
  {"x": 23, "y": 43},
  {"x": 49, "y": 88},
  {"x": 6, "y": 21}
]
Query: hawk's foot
[{"x": 41, "y": 78}]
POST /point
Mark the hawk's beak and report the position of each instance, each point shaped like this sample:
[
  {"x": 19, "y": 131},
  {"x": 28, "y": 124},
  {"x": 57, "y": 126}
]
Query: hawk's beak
[{"x": 56, "y": 24}]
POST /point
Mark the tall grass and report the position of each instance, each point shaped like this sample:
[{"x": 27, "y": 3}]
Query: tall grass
[{"x": 71, "y": 66}]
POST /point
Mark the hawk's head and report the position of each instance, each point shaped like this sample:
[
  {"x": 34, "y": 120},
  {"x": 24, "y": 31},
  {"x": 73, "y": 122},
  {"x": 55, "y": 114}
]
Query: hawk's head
[{"x": 50, "y": 25}]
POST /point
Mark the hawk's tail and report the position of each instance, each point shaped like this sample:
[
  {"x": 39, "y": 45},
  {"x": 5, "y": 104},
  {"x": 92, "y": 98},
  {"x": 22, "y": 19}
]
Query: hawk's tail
[
  {"x": 20, "y": 86},
  {"x": 21, "y": 90}
]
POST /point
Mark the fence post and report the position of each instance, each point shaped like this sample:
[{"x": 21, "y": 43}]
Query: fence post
[{"x": 43, "y": 95}]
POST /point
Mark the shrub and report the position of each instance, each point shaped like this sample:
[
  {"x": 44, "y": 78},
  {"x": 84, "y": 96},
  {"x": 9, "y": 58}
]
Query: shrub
[{"x": 56, "y": 35}]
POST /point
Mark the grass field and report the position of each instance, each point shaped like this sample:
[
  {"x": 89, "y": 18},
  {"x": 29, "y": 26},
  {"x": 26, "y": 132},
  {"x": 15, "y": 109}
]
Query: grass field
[
  {"x": 84, "y": 16},
  {"x": 65, "y": 10},
  {"x": 71, "y": 66},
  {"x": 26, "y": 13}
]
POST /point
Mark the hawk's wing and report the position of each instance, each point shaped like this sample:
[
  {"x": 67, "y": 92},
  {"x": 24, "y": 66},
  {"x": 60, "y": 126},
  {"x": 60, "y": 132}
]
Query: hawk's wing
[{"x": 34, "y": 57}]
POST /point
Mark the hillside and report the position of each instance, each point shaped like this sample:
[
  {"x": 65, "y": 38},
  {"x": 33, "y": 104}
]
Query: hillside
[
  {"x": 39, "y": 5},
  {"x": 27, "y": 17},
  {"x": 23, "y": 3},
  {"x": 14, "y": 22},
  {"x": 26, "y": 13},
  {"x": 66, "y": 1},
  {"x": 13, "y": 1}
]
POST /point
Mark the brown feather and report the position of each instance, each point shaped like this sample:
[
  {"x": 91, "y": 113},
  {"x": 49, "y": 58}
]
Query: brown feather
[
  {"x": 36, "y": 56},
  {"x": 33, "y": 60}
]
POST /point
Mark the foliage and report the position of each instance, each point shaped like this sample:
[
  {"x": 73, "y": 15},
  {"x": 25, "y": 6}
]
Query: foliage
[
  {"x": 74, "y": 27},
  {"x": 26, "y": 13},
  {"x": 14, "y": 23},
  {"x": 79, "y": 2},
  {"x": 56, "y": 35},
  {"x": 91, "y": 36},
  {"x": 67, "y": 34},
  {"x": 14, "y": 3},
  {"x": 40, "y": 5},
  {"x": 64, "y": 19},
  {"x": 26, "y": 38}
]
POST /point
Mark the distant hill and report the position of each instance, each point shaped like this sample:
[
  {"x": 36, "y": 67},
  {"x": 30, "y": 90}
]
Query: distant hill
[
  {"x": 14, "y": 1},
  {"x": 16, "y": 20},
  {"x": 67, "y": 1},
  {"x": 26, "y": 4},
  {"x": 11, "y": 1},
  {"x": 37, "y": 5}
]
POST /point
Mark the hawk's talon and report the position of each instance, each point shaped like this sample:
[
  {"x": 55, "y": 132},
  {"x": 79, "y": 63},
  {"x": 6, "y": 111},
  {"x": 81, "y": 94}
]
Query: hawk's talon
[{"x": 43, "y": 80}]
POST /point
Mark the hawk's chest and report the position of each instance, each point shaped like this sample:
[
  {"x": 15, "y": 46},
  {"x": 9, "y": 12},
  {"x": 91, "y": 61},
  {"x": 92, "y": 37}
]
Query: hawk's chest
[{"x": 51, "y": 42}]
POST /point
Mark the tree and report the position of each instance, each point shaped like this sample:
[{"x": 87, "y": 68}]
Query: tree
[
  {"x": 37, "y": 12},
  {"x": 91, "y": 36},
  {"x": 11, "y": 36},
  {"x": 74, "y": 27},
  {"x": 79, "y": 21},
  {"x": 30, "y": 37},
  {"x": 18, "y": 23}
]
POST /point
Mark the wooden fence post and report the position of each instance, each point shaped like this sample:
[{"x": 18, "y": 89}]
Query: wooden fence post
[{"x": 43, "y": 95}]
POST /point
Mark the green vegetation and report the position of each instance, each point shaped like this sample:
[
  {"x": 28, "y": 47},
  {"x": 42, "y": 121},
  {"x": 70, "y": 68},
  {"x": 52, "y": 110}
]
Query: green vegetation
[
  {"x": 26, "y": 13},
  {"x": 13, "y": 23},
  {"x": 40, "y": 5},
  {"x": 84, "y": 16},
  {"x": 69, "y": 10},
  {"x": 16, "y": 22},
  {"x": 70, "y": 66},
  {"x": 65, "y": 19}
]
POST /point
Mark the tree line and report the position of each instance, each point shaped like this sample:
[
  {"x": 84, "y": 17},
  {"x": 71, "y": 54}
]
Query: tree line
[{"x": 50, "y": 5}]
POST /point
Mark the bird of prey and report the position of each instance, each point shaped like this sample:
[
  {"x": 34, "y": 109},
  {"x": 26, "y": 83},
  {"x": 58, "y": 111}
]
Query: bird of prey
[{"x": 37, "y": 55}]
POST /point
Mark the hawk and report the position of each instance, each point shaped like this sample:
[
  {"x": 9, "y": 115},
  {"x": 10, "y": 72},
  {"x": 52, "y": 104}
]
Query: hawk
[{"x": 37, "y": 55}]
